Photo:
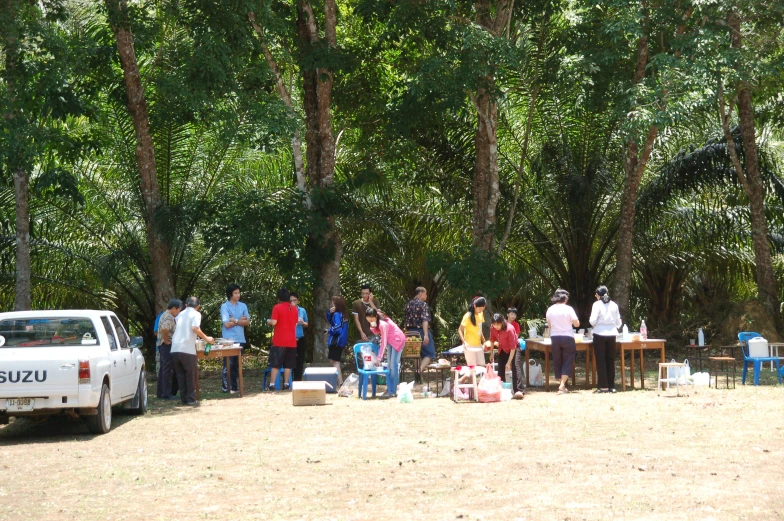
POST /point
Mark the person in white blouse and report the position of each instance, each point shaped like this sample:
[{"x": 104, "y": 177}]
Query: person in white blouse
[
  {"x": 605, "y": 319},
  {"x": 560, "y": 319}
]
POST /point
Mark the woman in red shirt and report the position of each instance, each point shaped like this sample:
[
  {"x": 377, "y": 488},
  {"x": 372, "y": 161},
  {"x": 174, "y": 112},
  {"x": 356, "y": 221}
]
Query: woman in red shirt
[{"x": 505, "y": 337}]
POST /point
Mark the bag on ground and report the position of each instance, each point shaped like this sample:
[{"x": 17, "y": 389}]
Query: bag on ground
[
  {"x": 350, "y": 385},
  {"x": 447, "y": 387},
  {"x": 405, "y": 392},
  {"x": 701, "y": 379},
  {"x": 489, "y": 386},
  {"x": 535, "y": 376},
  {"x": 684, "y": 378}
]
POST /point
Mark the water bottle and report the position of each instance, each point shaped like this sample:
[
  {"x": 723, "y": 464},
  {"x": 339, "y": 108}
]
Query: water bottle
[
  {"x": 625, "y": 333},
  {"x": 700, "y": 337},
  {"x": 207, "y": 349},
  {"x": 644, "y": 331}
]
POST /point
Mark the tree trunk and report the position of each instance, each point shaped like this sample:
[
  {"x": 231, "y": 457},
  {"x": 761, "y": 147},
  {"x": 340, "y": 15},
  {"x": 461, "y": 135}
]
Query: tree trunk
[
  {"x": 320, "y": 168},
  {"x": 285, "y": 96},
  {"x": 486, "y": 185},
  {"x": 755, "y": 189},
  {"x": 634, "y": 168},
  {"x": 163, "y": 287},
  {"x": 22, "y": 301}
]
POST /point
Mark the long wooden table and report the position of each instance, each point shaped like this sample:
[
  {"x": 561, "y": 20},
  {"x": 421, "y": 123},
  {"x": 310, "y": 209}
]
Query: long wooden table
[
  {"x": 217, "y": 352},
  {"x": 641, "y": 346},
  {"x": 543, "y": 345}
]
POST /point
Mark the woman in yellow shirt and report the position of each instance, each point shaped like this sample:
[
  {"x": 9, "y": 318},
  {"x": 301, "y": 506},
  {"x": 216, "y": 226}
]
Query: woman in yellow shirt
[{"x": 470, "y": 332}]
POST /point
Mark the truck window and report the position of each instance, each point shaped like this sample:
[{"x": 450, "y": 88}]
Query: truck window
[
  {"x": 125, "y": 340},
  {"x": 48, "y": 332},
  {"x": 109, "y": 333}
]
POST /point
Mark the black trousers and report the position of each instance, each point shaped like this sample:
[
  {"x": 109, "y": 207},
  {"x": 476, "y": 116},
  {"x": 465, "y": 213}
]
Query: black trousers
[
  {"x": 186, "y": 368},
  {"x": 517, "y": 376},
  {"x": 604, "y": 351},
  {"x": 564, "y": 351},
  {"x": 302, "y": 351},
  {"x": 167, "y": 372}
]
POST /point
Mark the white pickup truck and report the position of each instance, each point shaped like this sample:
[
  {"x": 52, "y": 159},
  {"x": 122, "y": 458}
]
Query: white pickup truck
[{"x": 75, "y": 362}]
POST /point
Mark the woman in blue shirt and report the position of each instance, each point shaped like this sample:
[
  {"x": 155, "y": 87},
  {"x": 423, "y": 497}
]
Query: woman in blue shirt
[{"x": 337, "y": 317}]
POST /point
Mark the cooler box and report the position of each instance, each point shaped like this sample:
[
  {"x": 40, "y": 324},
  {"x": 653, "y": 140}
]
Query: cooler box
[{"x": 322, "y": 374}]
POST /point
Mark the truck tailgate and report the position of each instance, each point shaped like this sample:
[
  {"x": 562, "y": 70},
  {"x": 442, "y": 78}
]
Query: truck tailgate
[{"x": 38, "y": 372}]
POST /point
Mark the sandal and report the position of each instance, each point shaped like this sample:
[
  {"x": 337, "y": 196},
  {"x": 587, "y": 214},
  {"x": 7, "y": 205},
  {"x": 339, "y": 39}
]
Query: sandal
[{"x": 563, "y": 391}]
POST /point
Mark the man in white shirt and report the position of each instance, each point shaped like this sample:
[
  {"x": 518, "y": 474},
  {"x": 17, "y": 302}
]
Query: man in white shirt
[{"x": 183, "y": 351}]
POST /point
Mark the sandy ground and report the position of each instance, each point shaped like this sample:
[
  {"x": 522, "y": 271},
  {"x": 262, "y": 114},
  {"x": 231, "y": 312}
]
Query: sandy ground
[{"x": 715, "y": 455}]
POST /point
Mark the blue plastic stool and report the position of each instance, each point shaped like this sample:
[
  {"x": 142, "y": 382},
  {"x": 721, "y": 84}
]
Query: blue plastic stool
[{"x": 268, "y": 373}]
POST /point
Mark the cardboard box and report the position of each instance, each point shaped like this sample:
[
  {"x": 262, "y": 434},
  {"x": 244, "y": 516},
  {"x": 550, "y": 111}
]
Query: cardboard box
[
  {"x": 309, "y": 393},
  {"x": 322, "y": 374}
]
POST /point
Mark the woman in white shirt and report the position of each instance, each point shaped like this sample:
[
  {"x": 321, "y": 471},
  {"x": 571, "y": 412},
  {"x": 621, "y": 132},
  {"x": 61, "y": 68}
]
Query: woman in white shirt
[
  {"x": 560, "y": 319},
  {"x": 605, "y": 319}
]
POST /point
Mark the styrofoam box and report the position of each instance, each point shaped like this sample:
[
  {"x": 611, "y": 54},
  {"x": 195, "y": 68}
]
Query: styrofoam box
[{"x": 322, "y": 374}]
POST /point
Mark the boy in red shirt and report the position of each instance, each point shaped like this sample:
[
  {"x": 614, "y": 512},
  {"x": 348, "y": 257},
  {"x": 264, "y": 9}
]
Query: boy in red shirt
[
  {"x": 511, "y": 319},
  {"x": 283, "y": 352}
]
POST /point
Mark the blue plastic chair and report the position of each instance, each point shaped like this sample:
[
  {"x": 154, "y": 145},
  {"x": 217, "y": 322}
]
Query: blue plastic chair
[
  {"x": 365, "y": 376},
  {"x": 268, "y": 373},
  {"x": 743, "y": 339}
]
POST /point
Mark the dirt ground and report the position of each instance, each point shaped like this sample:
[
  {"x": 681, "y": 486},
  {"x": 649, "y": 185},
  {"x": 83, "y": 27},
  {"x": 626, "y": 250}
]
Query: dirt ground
[{"x": 714, "y": 455}]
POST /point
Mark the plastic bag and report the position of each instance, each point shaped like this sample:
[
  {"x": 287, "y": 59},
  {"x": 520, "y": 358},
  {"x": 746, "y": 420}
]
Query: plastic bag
[
  {"x": 350, "y": 385},
  {"x": 701, "y": 379},
  {"x": 489, "y": 386},
  {"x": 447, "y": 387},
  {"x": 369, "y": 358},
  {"x": 685, "y": 376},
  {"x": 535, "y": 376},
  {"x": 405, "y": 392}
]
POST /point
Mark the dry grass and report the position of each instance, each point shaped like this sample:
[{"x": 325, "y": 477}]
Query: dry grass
[{"x": 714, "y": 455}]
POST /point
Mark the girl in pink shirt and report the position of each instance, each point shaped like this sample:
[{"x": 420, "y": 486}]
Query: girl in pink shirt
[{"x": 391, "y": 336}]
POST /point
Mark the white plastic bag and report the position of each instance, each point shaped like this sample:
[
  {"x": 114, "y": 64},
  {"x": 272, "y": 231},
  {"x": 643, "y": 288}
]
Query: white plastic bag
[
  {"x": 405, "y": 392},
  {"x": 535, "y": 376},
  {"x": 684, "y": 378},
  {"x": 350, "y": 385},
  {"x": 701, "y": 379},
  {"x": 447, "y": 387},
  {"x": 369, "y": 358}
]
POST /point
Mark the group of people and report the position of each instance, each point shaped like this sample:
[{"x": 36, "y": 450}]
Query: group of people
[
  {"x": 373, "y": 325},
  {"x": 504, "y": 335},
  {"x": 179, "y": 327},
  {"x": 561, "y": 319},
  {"x": 605, "y": 320}
]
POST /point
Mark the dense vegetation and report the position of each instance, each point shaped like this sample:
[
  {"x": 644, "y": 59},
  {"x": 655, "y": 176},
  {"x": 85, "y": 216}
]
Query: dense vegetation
[{"x": 160, "y": 148}]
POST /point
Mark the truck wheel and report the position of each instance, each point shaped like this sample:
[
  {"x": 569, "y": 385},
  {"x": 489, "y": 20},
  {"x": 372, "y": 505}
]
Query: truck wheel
[
  {"x": 101, "y": 422},
  {"x": 141, "y": 395}
]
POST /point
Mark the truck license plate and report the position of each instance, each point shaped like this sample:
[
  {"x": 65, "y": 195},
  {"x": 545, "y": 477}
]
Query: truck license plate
[{"x": 19, "y": 404}]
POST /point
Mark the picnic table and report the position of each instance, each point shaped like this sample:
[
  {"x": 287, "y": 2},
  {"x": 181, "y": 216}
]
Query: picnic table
[
  {"x": 544, "y": 346},
  {"x": 221, "y": 352},
  {"x": 638, "y": 345}
]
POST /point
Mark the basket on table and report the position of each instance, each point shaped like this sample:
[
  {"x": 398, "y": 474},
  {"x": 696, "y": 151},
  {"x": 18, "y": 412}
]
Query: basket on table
[{"x": 413, "y": 345}]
